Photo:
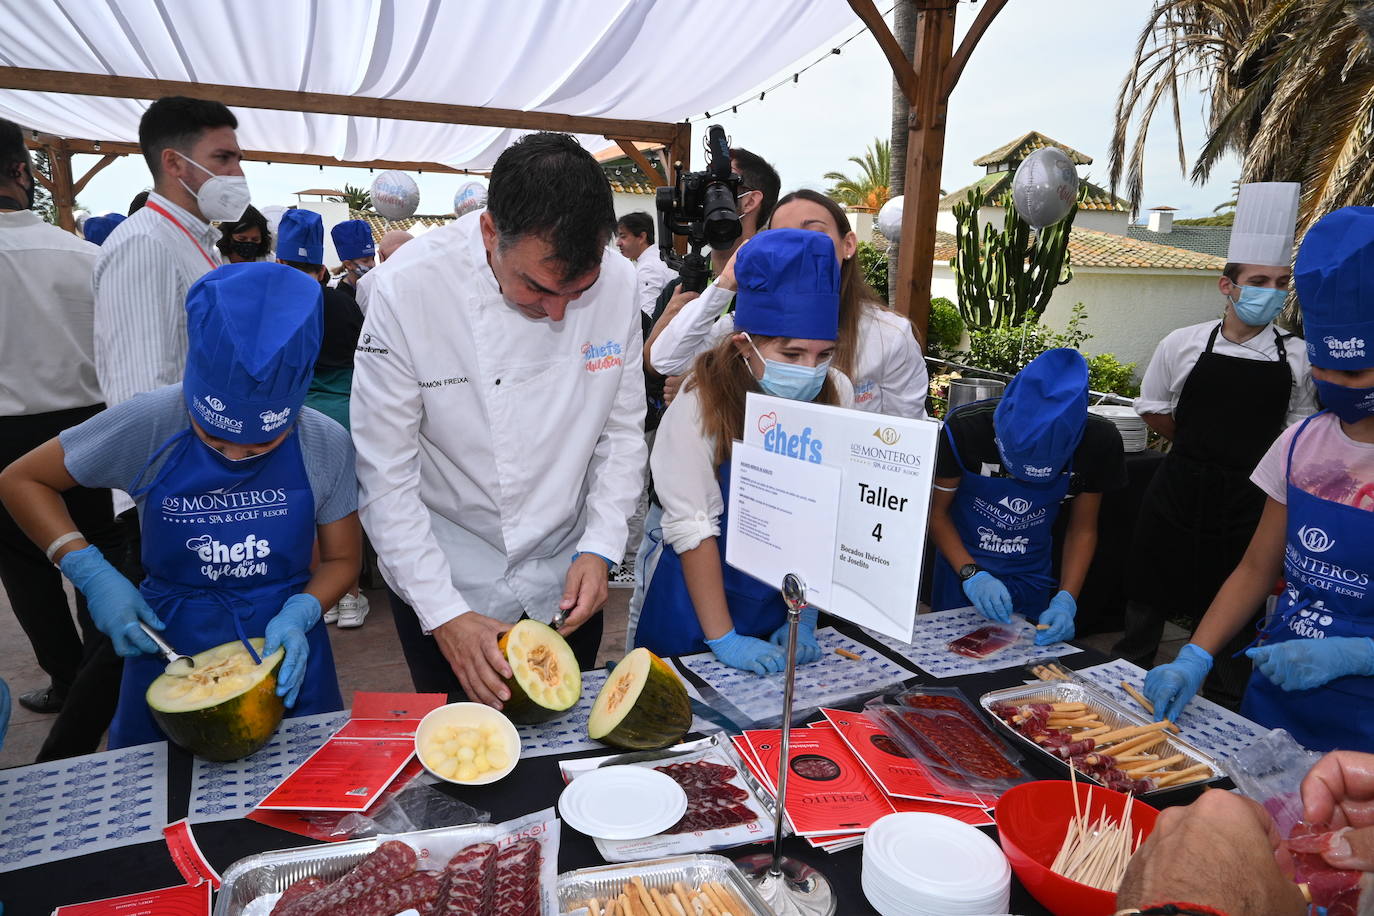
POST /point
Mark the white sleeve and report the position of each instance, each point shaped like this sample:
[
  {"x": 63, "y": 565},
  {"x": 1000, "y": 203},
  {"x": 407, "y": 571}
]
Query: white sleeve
[
  {"x": 616, "y": 472},
  {"x": 647, "y": 287},
  {"x": 1157, "y": 394},
  {"x": 689, "y": 332},
  {"x": 1303, "y": 403},
  {"x": 136, "y": 332},
  {"x": 905, "y": 381},
  {"x": 685, "y": 476},
  {"x": 385, "y": 411},
  {"x": 364, "y": 291}
]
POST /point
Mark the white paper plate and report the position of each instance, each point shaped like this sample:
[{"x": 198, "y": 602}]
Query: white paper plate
[{"x": 622, "y": 803}]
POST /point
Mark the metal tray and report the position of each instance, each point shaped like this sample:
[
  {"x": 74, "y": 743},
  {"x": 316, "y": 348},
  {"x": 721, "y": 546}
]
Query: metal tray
[
  {"x": 575, "y": 887},
  {"x": 1112, "y": 713}
]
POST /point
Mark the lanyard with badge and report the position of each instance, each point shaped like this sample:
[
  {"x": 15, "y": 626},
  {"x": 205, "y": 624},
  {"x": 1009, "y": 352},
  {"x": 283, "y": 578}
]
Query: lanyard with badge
[{"x": 151, "y": 205}]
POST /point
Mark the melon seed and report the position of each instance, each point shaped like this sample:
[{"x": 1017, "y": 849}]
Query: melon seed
[
  {"x": 545, "y": 664},
  {"x": 622, "y": 687}
]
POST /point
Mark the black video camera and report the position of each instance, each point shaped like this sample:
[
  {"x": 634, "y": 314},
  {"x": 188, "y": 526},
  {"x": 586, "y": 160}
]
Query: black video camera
[{"x": 701, "y": 207}]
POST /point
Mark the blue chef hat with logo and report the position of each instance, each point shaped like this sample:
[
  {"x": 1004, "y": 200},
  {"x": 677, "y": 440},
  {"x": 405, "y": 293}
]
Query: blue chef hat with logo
[
  {"x": 353, "y": 240},
  {"x": 253, "y": 332},
  {"x": 1335, "y": 280},
  {"x": 98, "y": 228},
  {"x": 1041, "y": 417},
  {"x": 300, "y": 237},
  {"x": 789, "y": 285}
]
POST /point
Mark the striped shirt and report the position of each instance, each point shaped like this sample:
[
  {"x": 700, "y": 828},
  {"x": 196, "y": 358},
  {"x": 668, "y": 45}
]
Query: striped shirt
[{"x": 141, "y": 278}]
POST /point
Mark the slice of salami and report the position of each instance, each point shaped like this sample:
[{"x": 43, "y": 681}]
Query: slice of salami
[
  {"x": 415, "y": 890},
  {"x": 469, "y": 882},
  {"x": 389, "y": 862},
  {"x": 301, "y": 888},
  {"x": 517, "y": 879}
]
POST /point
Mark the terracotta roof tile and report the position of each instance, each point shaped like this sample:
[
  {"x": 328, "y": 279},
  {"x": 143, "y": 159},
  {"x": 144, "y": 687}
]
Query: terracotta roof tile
[
  {"x": 1088, "y": 248},
  {"x": 380, "y": 225}
]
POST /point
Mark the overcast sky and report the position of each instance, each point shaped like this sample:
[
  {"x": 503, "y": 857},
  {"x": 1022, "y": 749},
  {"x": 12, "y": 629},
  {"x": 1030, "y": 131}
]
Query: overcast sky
[{"x": 1049, "y": 65}]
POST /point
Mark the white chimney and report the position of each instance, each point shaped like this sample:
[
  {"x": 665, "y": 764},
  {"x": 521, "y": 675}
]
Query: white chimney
[{"x": 1161, "y": 219}]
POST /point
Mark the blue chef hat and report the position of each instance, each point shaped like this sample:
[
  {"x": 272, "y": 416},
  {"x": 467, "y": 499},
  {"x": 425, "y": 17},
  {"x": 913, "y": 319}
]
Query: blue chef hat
[
  {"x": 353, "y": 240},
  {"x": 1335, "y": 280},
  {"x": 1040, "y": 419},
  {"x": 98, "y": 228},
  {"x": 789, "y": 285},
  {"x": 253, "y": 332},
  {"x": 300, "y": 237}
]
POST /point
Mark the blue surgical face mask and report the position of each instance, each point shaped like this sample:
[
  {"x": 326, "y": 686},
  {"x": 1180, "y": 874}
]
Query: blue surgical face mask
[
  {"x": 1258, "y": 305},
  {"x": 787, "y": 380},
  {"x": 1350, "y": 404}
]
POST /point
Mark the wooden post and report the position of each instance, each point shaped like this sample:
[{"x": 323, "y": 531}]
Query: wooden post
[{"x": 63, "y": 195}]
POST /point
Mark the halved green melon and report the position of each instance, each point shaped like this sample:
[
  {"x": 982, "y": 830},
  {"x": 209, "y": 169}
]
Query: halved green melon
[
  {"x": 545, "y": 679},
  {"x": 226, "y": 708},
  {"x": 643, "y": 705}
]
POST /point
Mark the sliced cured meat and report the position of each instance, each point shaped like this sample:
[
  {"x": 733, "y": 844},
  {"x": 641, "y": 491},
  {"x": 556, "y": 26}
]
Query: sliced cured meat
[
  {"x": 984, "y": 641},
  {"x": 1337, "y": 889},
  {"x": 301, "y": 888},
  {"x": 975, "y": 752},
  {"x": 517, "y": 879},
  {"x": 468, "y": 882},
  {"x": 936, "y": 701},
  {"x": 389, "y": 862},
  {"x": 413, "y": 891},
  {"x": 713, "y": 801},
  {"x": 816, "y": 767}
]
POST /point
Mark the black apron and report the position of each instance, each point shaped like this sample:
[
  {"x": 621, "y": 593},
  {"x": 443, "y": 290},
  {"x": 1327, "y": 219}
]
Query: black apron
[{"x": 1201, "y": 508}]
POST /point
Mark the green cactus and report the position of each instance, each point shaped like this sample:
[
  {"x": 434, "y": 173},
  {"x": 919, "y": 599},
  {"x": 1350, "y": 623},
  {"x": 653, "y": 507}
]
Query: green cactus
[{"x": 1005, "y": 277}]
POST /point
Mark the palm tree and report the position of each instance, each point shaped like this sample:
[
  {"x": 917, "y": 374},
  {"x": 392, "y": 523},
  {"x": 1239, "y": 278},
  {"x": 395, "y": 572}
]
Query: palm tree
[
  {"x": 1290, "y": 86},
  {"x": 870, "y": 190},
  {"x": 357, "y": 198}
]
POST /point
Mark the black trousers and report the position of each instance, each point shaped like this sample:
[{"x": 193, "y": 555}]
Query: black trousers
[
  {"x": 1229, "y": 676},
  {"x": 430, "y": 671}
]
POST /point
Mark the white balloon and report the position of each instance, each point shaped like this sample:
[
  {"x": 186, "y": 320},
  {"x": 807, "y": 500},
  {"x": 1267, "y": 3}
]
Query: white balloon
[
  {"x": 395, "y": 195},
  {"x": 889, "y": 219},
  {"x": 471, "y": 196},
  {"x": 1045, "y": 187}
]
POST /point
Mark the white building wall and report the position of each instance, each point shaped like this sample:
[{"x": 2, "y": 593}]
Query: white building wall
[
  {"x": 629, "y": 203},
  {"x": 1097, "y": 220}
]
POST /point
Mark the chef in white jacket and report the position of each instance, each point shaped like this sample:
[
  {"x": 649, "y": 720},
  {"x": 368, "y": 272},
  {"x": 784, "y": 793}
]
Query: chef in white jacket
[{"x": 498, "y": 412}]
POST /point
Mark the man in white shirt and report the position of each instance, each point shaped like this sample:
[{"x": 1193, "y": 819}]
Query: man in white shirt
[
  {"x": 634, "y": 236},
  {"x": 498, "y": 411},
  {"x": 47, "y": 384}
]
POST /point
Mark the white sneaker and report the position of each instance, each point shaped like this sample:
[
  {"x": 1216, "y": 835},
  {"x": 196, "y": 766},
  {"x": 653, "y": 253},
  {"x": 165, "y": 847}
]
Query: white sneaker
[
  {"x": 352, "y": 610},
  {"x": 332, "y": 615}
]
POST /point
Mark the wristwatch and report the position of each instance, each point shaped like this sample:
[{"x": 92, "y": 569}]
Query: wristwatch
[{"x": 968, "y": 571}]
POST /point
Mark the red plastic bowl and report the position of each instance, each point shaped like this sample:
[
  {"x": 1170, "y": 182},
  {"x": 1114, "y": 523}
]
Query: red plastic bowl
[{"x": 1031, "y": 821}]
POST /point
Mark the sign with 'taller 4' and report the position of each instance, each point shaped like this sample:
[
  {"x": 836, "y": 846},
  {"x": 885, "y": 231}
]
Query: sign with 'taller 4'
[{"x": 887, "y": 467}]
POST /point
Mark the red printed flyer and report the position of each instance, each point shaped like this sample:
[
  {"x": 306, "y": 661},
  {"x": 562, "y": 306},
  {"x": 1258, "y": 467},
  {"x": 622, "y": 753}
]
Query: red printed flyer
[
  {"x": 388, "y": 715},
  {"x": 894, "y": 770},
  {"x": 346, "y": 774},
  {"x": 186, "y": 854},
  {"x": 828, "y": 791},
  {"x": 187, "y": 900}
]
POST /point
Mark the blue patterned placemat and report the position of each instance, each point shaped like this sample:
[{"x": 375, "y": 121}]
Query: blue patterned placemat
[{"x": 935, "y": 631}]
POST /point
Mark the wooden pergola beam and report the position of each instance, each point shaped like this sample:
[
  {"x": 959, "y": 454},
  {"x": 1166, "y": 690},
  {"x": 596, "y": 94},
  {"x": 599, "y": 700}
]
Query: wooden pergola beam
[
  {"x": 902, "y": 69},
  {"x": 641, "y": 160},
  {"x": 955, "y": 68},
  {"x": 85, "y": 179}
]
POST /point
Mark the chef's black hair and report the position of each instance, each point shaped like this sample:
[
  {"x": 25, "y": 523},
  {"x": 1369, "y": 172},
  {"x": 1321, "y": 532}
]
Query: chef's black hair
[
  {"x": 251, "y": 217},
  {"x": 176, "y": 122},
  {"x": 13, "y": 153},
  {"x": 638, "y": 223},
  {"x": 758, "y": 176},
  {"x": 547, "y": 186}
]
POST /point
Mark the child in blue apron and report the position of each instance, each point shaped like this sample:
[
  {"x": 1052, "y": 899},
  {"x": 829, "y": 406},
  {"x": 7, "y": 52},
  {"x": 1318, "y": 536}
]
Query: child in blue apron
[
  {"x": 1314, "y": 658},
  {"x": 234, "y": 482},
  {"x": 1015, "y": 459},
  {"x": 786, "y": 319}
]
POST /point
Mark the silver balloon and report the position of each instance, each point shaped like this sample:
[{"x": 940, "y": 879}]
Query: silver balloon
[
  {"x": 395, "y": 195},
  {"x": 889, "y": 219},
  {"x": 471, "y": 196},
  {"x": 1045, "y": 187}
]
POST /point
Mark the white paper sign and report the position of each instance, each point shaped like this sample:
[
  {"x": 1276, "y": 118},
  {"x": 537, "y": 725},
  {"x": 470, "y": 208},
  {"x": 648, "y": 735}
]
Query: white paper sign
[
  {"x": 887, "y": 467},
  {"x": 782, "y": 520}
]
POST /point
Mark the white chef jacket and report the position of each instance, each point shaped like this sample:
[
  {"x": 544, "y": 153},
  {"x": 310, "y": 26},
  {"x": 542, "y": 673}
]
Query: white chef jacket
[
  {"x": 651, "y": 275},
  {"x": 1178, "y": 353},
  {"x": 889, "y": 375},
  {"x": 492, "y": 446}
]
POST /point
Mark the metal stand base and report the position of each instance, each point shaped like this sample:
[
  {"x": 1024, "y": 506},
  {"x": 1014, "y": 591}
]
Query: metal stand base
[{"x": 795, "y": 889}]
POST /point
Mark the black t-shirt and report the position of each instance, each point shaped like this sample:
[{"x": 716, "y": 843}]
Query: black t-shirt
[
  {"x": 1099, "y": 463},
  {"x": 343, "y": 322}
]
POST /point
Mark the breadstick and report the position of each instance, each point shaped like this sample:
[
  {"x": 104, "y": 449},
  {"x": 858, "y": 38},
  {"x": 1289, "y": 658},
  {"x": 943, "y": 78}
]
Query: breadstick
[
  {"x": 736, "y": 905},
  {"x": 632, "y": 906},
  {"x": 1122, "y": 734},
  {"x": 713, "y": 891},
  {"x": 1190, "y": 773},
  {"x": 595, "y": 906},
  {"x": 1155, "y": 764},
  {"x": 678, "y": 906},
  {"x": 611, "y": 907},
  {"x": 644, "y": 897},
  {"x": 705, "y": 904},
  {"x": 660, "y": 901},
  {"x": 1135, "y": 745},
  {"x": 1068, "y": 707}
]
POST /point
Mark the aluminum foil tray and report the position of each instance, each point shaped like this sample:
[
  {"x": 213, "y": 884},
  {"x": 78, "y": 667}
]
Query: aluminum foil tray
[
  {"x": 1110, "y": 711},
  {"x": 576, "y": 887}
]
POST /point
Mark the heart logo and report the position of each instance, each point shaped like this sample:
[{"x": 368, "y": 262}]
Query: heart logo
[{"x": 767, "y": 421}]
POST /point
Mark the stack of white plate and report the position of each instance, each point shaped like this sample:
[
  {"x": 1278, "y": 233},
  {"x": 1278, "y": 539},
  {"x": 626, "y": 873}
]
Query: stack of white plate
[
  {"x": 1134, "y": 432},
  {"x": 932, "y": 865}
]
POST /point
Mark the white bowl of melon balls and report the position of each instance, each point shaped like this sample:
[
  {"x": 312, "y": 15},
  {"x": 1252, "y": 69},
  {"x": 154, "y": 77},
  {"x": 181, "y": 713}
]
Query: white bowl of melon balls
[{"x": 467, "y": 744}]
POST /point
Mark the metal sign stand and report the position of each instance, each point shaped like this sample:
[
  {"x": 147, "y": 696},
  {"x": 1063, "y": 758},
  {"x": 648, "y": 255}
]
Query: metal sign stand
[{"x": 790, "y": 886}]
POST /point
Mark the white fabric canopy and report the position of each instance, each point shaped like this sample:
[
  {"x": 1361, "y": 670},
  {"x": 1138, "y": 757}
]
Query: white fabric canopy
[{"x": 655, "y": 60}]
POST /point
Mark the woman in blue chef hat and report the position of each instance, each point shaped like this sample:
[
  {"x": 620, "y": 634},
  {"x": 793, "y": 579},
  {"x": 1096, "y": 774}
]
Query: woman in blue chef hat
[
  {"x": 234, "y": 481},
  {"x": 1314, "y": 662},
  {"x": 1002, "y": 471},
  {"x": 786, "y": 318}
]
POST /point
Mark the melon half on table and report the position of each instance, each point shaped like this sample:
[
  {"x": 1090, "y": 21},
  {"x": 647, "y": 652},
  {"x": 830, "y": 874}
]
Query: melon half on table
[
  {"x": 642, "y": 706},
  {"x": 226, "y": 707}
]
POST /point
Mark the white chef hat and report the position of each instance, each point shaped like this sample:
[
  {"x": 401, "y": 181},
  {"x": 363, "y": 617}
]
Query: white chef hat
[{"x": 1266, "y": 215}]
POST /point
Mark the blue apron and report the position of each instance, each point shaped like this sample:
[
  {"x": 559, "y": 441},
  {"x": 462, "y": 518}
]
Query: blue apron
[
  {"x": 1007, "y": 527},
  {"x": 224, "y": 545},
  {"x": 668, "y": 623},
  {"x": 1328, "y": 566}
]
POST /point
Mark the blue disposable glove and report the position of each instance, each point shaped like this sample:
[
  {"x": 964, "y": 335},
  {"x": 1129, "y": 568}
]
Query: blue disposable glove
[
  {"x": 115, "y": 603},
  {"x": 748, "y": 653},
  {"x": 288, "y": 628},
  {"x": 989, "y": 596},
  {"x": 1058, "y": 617},
  {"x": 808, "y": 650},
  {"x": 1301, "y": 664},
  {"x": 1170, "y": 687},
  {"x": 4, "y": 710}
]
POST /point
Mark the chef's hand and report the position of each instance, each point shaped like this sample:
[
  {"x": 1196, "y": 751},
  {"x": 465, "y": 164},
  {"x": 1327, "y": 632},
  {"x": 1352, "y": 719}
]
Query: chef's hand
[
  {"x": 1170, "y": 687},
  {"x": 1339, "y": 790},
  {"x": 1058, "y": 620},
  {"x": 671, "y": 386},
  {"x": 808, "y": 650},
  {"x": 584, "y": 591},
  {"x": 115, "y": 603},
  {"x": 468, "y": 641},
  {"x": 1301, "y": 664},
  {"x": 287, "y": 630},
  {"x": 747, "y": 653},
  {"x": 989, "y": 596}
]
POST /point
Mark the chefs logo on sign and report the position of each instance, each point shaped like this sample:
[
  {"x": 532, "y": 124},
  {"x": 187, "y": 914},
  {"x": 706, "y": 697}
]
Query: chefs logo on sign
[
  {"x": 235, "y": 561},
  {"x": 803, "y": 446},
  {"x": 992, "y": 542},
  {"x": 607, "y": 356}
]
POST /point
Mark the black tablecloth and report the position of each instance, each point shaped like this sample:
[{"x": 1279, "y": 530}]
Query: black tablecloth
[{"x": 535, "y": 784}]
